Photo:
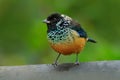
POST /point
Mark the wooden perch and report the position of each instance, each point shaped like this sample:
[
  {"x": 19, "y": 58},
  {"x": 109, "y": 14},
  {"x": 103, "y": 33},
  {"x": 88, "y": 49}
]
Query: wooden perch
[{"x": 100, "y": 70}]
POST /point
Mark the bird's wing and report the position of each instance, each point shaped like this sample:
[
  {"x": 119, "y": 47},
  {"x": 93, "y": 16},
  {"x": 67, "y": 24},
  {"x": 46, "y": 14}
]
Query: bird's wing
[{"x": 77, "y": 27}]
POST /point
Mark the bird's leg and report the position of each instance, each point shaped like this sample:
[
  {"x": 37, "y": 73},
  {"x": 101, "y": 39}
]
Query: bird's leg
[
  {"x": 77, "y": 60},
  {"x": 56, "y": 61}
]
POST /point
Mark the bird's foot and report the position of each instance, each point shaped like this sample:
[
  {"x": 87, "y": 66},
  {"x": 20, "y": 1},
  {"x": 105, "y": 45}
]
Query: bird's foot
[
  {"x": 55, "y": 64},
  {"x": 77, "y": 63}
]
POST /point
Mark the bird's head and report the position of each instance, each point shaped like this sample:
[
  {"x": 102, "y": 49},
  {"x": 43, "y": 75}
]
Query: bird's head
[{"x": 54, "y": 20}]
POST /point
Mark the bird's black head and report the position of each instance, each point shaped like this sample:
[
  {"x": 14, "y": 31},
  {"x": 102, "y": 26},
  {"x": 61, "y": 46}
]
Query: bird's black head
[
  {"x": 56, "y": 20},
  {"x": 53, "y": 19}
]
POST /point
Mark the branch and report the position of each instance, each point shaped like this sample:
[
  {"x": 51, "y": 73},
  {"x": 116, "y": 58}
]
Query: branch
[{"x": 100, "y": 70}]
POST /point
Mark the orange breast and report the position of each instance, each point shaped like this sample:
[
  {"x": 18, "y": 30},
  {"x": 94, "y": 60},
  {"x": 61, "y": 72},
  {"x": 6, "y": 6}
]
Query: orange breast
[{"x": 68, "y": 48}]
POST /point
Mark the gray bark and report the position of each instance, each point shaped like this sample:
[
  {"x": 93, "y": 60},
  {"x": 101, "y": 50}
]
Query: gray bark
[{"x": 100, "y": 70}]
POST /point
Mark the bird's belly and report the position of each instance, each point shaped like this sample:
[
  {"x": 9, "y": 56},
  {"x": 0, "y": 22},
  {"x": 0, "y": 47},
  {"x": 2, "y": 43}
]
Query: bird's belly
[{"x": 68, "y": 48}]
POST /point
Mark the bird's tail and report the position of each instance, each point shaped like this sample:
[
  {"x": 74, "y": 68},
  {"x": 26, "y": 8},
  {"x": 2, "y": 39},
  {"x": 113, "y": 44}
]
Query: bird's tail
[{"x": 91, "y": 40}]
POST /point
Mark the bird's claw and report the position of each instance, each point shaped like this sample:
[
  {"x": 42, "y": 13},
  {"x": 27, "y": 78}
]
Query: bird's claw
[
  {"x": 54, "y": 64},
  {"x": 77, "y": 63}
]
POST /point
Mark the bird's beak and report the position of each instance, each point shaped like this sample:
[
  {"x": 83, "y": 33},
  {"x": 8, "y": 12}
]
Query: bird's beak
[{"x": 46, "y": 21}]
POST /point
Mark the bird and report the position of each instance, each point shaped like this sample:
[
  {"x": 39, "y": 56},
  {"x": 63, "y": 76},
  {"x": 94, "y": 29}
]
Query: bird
[{"x": 65, "y": 35}]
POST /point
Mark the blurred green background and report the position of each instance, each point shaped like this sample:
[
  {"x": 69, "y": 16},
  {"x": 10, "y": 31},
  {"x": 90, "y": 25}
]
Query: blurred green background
[{"x": 23, "y": 35}]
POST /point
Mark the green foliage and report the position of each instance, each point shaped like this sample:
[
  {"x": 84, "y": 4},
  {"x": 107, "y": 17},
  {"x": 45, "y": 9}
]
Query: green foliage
[{"x": 23, "y": 35}]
